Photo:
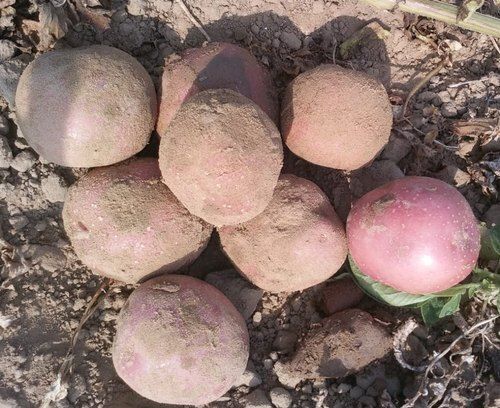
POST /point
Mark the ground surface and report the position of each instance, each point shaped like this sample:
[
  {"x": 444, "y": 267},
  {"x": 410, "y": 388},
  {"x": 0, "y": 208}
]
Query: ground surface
[{"x": 45, "y": 289}]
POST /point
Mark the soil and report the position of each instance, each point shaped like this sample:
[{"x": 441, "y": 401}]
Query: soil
[{"x": 44, "y": 288}]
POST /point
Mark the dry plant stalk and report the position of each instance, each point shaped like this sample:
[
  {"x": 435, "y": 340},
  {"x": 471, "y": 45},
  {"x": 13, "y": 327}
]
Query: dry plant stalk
[
  {"x": 445, "y": 12},
  {"x": 59, "y": 388}
]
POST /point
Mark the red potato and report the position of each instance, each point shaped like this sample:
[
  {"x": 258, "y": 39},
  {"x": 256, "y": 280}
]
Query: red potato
[
  {"x": 416, "y": 234},
  {"x": 336, "y": 117},
  {"x": 124, "y": 223},
  {"x": 221, "y": 157},
  {"x": 215, "y": 66},
  {"x": 180, "y": 341},
  {"x": 297, "y": 242},
  {"x": 86, "y": 107}
]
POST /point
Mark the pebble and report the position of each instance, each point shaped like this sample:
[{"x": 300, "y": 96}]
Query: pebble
[
  {"x": 257, "y": 318},
  {"x": 23, "y": 161},
  {"x": 343, "y": 388},
  {"x": 367, "y": 377},
  {"x": 7, "y": 50},
  {"x": 256, "y": 399},
  {"x": 4, "y": 126},
  {"x": 239, "y": 291},
  {"x": 280, "y": 397},
  {"x": 291, "y": 40},
  {"x": 79, "y": 304},
  {"x": 49, "y": 258},
  {"x": 367, "y": 401},
  {"x": 18, "y": 222},
  {"x": 356, "y": 392},
  {"x": 339, "y": 295},
  {"x": 54, "y": 188},
  {"x": 396, "y": 149},
  {"x": 10, "y": 72},
  {"x": 449, "y": 110},
  {"x": 249, "y": 378},
  {"x": 285, "y": 341},
  {"x": 5, "y": 153},
  {"x": 268, "y": 363}
]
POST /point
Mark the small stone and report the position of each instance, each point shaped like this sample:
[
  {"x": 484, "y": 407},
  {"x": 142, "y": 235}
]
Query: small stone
[
  {"x": 368, "y": 377},
  {"x": 307, "y": 388},
  {"x": 454, "y": 176},
  {"x": 280, "y": 397},
  {"x": 249, "y": 378},
  {"x": 79, "y": 304},
  {"x": 372, "y": 392},
  {"x": 137, "y": 7},
  {"x": 5, "y": 153},
  {"x": 285, "y": 341},
  {"x": 49, "y": 258},
  {"x": 23, "y": 161},
  {"x": 239, "y": 291},
  {"x": 257, "y": 318},
  {"x": 268, "y": 363},
  {"x": 240, "y": 33},
  {"x": 427, "y": 96},
  {"x": 396, "y": 149},
  {"x": 7, "y": 50},
  {"x": 449, "y": 110},
  {"x": 10, "y": 72},
  {"x": 54, "y": 188},
  {"x": 343, "y": 388},
  {"x": 356, "y": 392},
  {"x": 18, "y": 222},
  {"x": 367, "y": 401},
  {"x": 285, "y": 376},
  {"x": 255, "y": 29},
  {"x": 256, "y": 399},
  {"x": 4, "y": 126},
  {"x": 492, "y": 216},
  {"x": 339, "y": 295},
  {"x": 291, "y": 40}
]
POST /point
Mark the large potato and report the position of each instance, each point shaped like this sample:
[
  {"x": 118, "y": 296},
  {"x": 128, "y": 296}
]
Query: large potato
[
  {"x": 297, "y": 242},
  {"x": 180, "y": 341},
  {"x": 221, "y": 156},
  {"x": 86, "y": 107},
  {"x": 215, "y": 66},
  {"x": 124, "y": 223},
  {"x": 336, "y": 117},
  {"x": 416, "y": 234}
]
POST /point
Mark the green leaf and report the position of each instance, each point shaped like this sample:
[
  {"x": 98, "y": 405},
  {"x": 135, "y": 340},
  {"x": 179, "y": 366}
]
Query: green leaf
[
  {"x": 431, "y": 309},
  {"x": 451, "y": 306},
  {"x": 495, "y": 238},
  {"x": 384, "y": 293}
]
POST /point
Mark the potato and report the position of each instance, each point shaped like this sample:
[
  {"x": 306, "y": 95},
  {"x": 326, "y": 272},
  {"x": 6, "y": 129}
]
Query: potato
[
  {"x": 125, "y": 223},
  {"x": 217, "y": 65},
  {"x": 416, "y": 234},
  {"x": 297, "y": 242},
  {"x": 180, "y": 341},
  {"x": 86, "y": 107},
  {"x": 336, "y": 117},
  {"x": 221, "y": 157}
]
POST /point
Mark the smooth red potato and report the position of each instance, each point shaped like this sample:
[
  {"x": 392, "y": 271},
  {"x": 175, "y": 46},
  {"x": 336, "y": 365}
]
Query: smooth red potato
[
  {"x": 180, "y": 341},
  {"x": 336, "y": 117},
  {"x": 416, "y": 234},
  {"x": 86, "y": 107},
  {"x": 124, "y": 223},
  {"x": 297, "y": 242},
  {"x": 215, "y": 66},
  {"x": 221, "y": 157}
]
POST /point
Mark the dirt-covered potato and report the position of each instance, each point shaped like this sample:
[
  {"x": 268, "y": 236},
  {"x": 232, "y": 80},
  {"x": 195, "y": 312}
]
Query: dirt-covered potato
[
  {"x": 221, "y": 156},
  {"x": 180, "y": 341},
  {"x": 124, "y": 223},
  {"x": 86, "y": 107},
  {"x": 336, "y": 117},
  {"x": 215, "y": 66},
  {"x": 297, "y": 242},
  {"x": 416, "y": 234}
]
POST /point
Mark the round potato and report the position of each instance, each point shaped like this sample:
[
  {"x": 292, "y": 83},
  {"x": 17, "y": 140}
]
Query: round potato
[
  {"x": 124, "y": 223},
  {"x": 416, "y": 234},
  {"x": 297, "y": 242},
  {"x": 221, "y": 157},
  {"x": 215, "y": 66},
  {"x": 180, "y": 341},
  {"x": 86, "y": 107},
  {"x": 336, "y": 117}
]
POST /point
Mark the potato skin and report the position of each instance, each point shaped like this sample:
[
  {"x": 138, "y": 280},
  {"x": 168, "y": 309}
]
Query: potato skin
[
  {"x": 336, "y": 117},
  {"x": 215, "y": 66},
  {"x": 297, "y": 242},
  {"x": 416, "y": 234},
  {"x": 124, "y": 223},
  {"x": 86, "y": 107},
  {"x": 180, "y": 341},
  {"x": 221, "y": 157}
]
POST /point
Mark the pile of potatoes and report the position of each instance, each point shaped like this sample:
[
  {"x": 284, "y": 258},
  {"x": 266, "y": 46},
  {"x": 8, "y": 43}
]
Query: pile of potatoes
[{"x": 179, "y": 340}]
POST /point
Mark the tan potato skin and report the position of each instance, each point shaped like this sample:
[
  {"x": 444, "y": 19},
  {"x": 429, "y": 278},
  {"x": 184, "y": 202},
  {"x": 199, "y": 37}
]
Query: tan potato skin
[
  {"x": 221, "y": 157},
  {"x": 297, "y": 242},
  {"x": 336, "y": 117},
  {"x": 180, "y": 341},
  {"x": 86, "y": 107},
  {"x": 124, "y": 223}
]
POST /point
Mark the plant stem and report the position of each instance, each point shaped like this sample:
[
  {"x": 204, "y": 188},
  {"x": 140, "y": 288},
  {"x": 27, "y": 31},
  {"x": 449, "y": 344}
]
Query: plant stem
[
  {"x": 443, "y": 12},
  {"x": 494, "y": 277}
]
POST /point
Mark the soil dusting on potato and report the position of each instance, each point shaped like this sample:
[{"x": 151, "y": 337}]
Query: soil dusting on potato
[{"x": 449, "y": 132}]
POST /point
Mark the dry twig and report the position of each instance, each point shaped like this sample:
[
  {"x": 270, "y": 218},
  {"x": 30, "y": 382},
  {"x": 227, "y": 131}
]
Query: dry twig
[
  {"x": 193, "y": 19},
  {"x": 399, "y": 340}
]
